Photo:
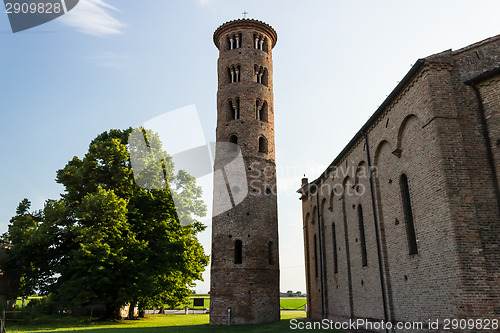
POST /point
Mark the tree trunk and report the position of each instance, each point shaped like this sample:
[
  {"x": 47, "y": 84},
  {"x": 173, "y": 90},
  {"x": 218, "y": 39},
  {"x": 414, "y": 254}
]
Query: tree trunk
[
  {"x": 112, "y": 312},
  {"x": 142, "y": 312},
  {"x": 131, "y": 309},
  {"x": 162, "y": 310}
]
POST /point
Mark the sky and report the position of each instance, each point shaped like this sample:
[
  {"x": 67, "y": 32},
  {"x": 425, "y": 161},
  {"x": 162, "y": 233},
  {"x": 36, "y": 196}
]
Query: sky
[{"x": 120, "y": 63}]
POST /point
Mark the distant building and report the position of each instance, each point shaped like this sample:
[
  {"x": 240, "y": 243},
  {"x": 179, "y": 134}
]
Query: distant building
[{"x": 404, "y": 225}]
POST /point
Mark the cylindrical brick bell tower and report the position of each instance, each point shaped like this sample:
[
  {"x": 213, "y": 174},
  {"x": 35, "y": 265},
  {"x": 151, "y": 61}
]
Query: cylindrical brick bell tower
[{"x": 245, "y": 261}]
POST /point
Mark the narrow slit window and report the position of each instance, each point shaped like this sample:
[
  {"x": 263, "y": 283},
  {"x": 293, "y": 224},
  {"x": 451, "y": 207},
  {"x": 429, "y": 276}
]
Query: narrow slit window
[
  {"x": 270, "y": 253},
  {"x": 238, "y": 252},
  {"x": 410, "y": 226},
  {"x": 262, "y": 145},
  {"x": 258, "y": 109},
  {"x": 362, "y": 236},
  {"x": 315, "y": 257},
  {"x": 335, "y": 256}
]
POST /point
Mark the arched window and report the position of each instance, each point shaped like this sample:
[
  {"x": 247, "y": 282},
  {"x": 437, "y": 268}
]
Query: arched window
[
  {"x": 362, "y": 238},
  {"x": 315, "y": 257},
  {"x": 234, "y": 41},
  {"x": 256, "y": 73},
  {"x": 260, "y": 75},
  {"x": 234, "y": 109},
  {"x": 233, "y": 139},
  {"x": 262, "y": 145},
  {"x": 260, "y": 42},
  {"x": 238, "y": 40},
  {"x": 261, "y": 110},
  {"x": 335, "y": 257},
  {"x": 234, "y": 73},
  {"x": 270, "y": 253},
  {"x": 238, "y": 252},
  {"x": 410, "y": 227}
]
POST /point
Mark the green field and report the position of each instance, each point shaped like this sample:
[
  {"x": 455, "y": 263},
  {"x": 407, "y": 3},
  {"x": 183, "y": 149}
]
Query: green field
[
  {"x": 154, "y": 323},
  {"x": 293, "y": 303},
  {"x": 190, "y": 303},
  {"x": 286, "y": 303},
  {"x": 158, "y": 323}
]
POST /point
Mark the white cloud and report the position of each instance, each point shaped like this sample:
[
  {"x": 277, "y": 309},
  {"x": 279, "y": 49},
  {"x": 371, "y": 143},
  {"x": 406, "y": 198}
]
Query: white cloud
[
  {"x": 92, "y": 17},
  {"x": 205, "y": 2}
]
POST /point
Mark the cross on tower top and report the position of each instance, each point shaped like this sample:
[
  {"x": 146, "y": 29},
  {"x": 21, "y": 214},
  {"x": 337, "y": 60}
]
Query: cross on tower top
[{"x": 245, "y": 13}]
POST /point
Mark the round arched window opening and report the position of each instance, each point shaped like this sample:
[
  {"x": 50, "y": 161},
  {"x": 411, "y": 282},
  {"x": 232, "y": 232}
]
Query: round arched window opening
[{"x": 234, "y": 140}]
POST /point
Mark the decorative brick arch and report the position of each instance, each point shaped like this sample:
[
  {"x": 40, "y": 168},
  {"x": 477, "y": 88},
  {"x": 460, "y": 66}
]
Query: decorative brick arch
[
  {"x": 382, "y": 144},
  {"x": 401, "y": 131},
  {"x": 345, "y": 183}
]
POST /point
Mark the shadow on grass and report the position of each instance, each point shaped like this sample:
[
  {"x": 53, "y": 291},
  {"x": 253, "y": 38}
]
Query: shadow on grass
[
  {"x": 281, "y": 326},
  {"x": 156, "y": 324}
]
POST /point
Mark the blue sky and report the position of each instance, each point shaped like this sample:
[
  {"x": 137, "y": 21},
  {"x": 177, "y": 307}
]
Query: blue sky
[{"x": 119, "y": 63}]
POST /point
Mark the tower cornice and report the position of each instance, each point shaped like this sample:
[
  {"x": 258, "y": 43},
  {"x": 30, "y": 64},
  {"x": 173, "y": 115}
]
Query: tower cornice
[{"x": 246, "y": 23}]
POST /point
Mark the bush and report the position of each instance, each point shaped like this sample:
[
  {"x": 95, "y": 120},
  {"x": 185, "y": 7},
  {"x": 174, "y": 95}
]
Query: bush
[{"x": 42, "y": 305}]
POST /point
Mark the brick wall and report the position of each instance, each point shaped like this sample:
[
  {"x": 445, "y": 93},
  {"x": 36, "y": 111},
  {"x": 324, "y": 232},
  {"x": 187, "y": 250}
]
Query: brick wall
[
  {"x": 430, "y": 130},
  {"x": 250, "y": 287}
]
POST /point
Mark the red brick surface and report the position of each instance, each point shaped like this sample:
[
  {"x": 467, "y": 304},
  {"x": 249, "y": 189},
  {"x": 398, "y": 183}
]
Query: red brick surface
[
  {"x": 431, "y": 131},
  {"x": 249, "y": 289}
]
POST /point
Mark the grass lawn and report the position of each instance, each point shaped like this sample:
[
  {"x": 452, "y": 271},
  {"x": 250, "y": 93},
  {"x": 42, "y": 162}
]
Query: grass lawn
[
  {"x": 19, "y": 301},
  {"x": 154, "y": 323},
  {"x": 286, "y": 303},
  {"x": 293, "y": 303}
]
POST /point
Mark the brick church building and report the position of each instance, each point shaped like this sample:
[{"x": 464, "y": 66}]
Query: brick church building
[{"x": 404, "y": 224}]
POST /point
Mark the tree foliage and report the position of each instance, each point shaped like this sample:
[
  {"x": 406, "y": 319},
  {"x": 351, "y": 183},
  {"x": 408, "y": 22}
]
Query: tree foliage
[{"x": 107, "y": 238}]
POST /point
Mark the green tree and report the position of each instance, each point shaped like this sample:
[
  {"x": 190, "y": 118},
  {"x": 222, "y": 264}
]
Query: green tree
[
  {"x": 32, "y": 250},
  {"x": 109, "y": 239}
]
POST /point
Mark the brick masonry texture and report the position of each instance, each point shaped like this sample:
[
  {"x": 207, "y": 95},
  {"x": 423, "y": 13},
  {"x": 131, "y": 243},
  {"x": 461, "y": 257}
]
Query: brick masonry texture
[
  {"x": 250, "y": 288},
  {"x": 440, "y": 128}
]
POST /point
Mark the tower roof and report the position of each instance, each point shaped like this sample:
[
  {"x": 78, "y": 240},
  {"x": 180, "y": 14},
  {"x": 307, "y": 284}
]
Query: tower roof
[{"x": 246, "y": 23}]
